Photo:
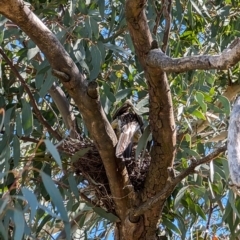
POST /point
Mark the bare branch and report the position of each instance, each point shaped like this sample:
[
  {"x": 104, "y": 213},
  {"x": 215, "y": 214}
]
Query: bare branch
[
  {"x": 157, "y": 20},
  {"x": 167, "y": 7},
  {"x": 32, "y": 100},
  {"x": 29, "y": 139},
  {"x": 208, "y": 221},
  {"x": 229, "y": 57}
]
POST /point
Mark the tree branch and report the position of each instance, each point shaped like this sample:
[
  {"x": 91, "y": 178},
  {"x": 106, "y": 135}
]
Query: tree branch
[
  {"x": 64, "y": 108},
  {"x": 160, "y": 113},
  {"x": 229, "y": 57},
  {"x": 173, "y": 181},
  {"x": 167, "y": 7},
  {"x": 31, "y": 98},
  {"x": 77, "y": 87},
  {"x": 157, "y": 20}
]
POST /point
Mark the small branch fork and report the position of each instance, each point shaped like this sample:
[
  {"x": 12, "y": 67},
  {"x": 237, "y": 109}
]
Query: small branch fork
[
  {"x": 32, "y": 100},
  {"x": 157, "y": 20},
  {"x": 166, "y": 11},
  {"x": 167, "y": 6},
  {"x": 173, "y": 181}
]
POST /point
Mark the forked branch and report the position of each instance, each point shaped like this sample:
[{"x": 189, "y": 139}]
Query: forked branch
[{"x": 173, "y": 181}]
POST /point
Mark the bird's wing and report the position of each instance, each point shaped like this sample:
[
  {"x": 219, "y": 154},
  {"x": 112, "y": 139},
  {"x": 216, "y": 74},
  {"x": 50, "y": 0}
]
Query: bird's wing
[{"x": 128, "y": 131}]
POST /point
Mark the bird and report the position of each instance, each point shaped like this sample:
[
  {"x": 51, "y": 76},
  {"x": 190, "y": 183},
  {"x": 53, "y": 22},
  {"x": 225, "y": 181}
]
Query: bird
[{"x": 128, "y": 126}]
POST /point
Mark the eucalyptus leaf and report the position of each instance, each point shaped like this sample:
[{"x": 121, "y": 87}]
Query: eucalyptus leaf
[
  {"x": 19, "y": 224},
  {"x": 142, "y": 143},
  {"x": 54, "y": 152},
  {"x": 16, "y": 150},
  {"x": 96, "y": 62},
  {"x": 27, "y": 118},
  {"x": 32, "y": 201},
  {"x": 55, "y": 196},
  {"x": 32, "y": 52}
]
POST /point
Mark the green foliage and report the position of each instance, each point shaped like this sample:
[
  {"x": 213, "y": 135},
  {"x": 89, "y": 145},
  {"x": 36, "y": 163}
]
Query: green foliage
[{"x": 38, "y": 195}]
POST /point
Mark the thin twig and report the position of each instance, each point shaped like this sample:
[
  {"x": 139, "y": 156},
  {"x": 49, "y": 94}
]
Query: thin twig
[
  {"x": 29, "y": 139},
  {"x": 167, "y": 7},
  {"x": 157, "y": 20},
  {"x": 32, "y": 100},
  {"x": 208, "y": 222}
]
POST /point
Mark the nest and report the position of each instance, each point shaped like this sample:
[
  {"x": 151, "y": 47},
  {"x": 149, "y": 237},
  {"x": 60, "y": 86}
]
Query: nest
[{"x": 91, "y": 167}]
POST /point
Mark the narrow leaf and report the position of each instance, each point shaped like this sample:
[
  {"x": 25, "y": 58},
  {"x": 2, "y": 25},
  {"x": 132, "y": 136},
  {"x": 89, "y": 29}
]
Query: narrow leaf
[
  {"x": 7, "y": 120},
  {"x": 200, "y": 99},
  {"x": 3, "y": 232},
  {"x": 211, "y": 171},
  {"x": 55, "y": 195},
  {"x": 142, "y": 143},
  {"x": 73, "y": 185},
  {"x": 200, "y": 212},
  {"x": 226, "y": 104},
  {"x": 94, "y": 26},
  {"x": 179, "y": 196},
  {"x": 109, "y": 216},
  {"x": 101, "y": 6},
  {"x": 198, "y": 114},
  {"x": 16, "y": 150},
  {"x": 54, "y": 152},
  {"x": 32, "y": 201},
  {"x": 79, "y": 154},
  {"x": 46, "y": 85},
  {"x": 171, "y": 226},
  {"x": 32, "y": 52},
  {"x": 123, "y": 94},
  {"x": 96, "y": 62},
  {"x": 19, "y": 124},
  {"x": 117, "y": 49},
  {"x": 19, "y": 224},
  {"x": 27, "y": 118}
]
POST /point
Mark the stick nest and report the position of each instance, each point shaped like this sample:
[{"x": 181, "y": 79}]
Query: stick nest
[{"x": 88, "y": 163}]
